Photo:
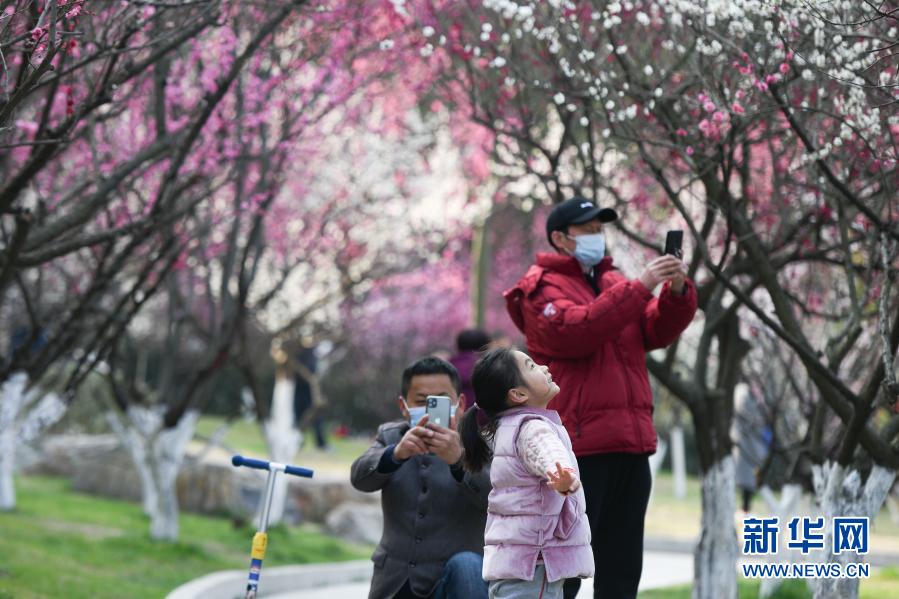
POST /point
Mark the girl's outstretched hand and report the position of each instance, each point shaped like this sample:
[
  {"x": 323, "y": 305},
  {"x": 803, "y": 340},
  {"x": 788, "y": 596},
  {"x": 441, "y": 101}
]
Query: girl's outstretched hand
[{"x": 563, "y": 480}]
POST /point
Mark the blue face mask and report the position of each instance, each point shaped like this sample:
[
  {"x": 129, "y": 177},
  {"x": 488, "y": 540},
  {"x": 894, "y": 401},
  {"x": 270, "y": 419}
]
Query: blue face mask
[
  {"x": 590, "y": 249},
  {"x": 416, "y": 413}
]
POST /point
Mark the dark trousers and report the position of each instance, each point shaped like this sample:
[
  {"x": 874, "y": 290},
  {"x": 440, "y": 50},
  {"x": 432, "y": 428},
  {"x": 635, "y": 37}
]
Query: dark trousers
[
  {"x": 747, "y": 498},
  {"x": 461, "y": 580},
  {"x": 616, "y": 488}
]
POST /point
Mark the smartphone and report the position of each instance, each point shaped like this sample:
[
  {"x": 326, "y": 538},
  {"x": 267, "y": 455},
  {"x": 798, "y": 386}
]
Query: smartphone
[
  {"x": 674, "y": 243},
  {"x": 438, "y": 410}
]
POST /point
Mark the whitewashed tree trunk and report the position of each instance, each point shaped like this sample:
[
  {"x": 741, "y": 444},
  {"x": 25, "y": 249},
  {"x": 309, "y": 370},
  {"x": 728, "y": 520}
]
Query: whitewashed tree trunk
[
  {"x": 655, "y": 462},
  {"x": 678, "y": 462},
  {"x": 16, "y": 401},
  {"x": 12, "y": 398},
  {"x": 893, "y": 506},
  {"x": 157, "y": 454},
  {"x": 840, "y": 492},
  {"x": 784, "y": 508},
  {"x": 716, "y": 554},
  {"x": 7, "y": 469},
  {"x": 133, "y": 432},
  {"x": 283, "y": 441}
]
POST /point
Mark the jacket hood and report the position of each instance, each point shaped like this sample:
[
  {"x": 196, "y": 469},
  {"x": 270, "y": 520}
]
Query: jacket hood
[{"x": 546, "y": 262}]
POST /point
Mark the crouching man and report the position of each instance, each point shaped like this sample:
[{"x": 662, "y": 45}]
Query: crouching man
[{"x": 434, "y": 511}]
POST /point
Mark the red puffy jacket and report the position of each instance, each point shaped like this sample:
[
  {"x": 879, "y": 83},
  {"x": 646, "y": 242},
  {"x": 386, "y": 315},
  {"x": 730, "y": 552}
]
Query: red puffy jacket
[{"x": 595, "y": 347}]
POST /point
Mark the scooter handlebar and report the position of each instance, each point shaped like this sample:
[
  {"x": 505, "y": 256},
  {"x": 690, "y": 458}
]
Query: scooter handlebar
[{"x": 239, "y": 460}]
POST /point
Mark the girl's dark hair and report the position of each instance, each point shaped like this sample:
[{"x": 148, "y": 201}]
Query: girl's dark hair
[{"x": 494, "y": 375}]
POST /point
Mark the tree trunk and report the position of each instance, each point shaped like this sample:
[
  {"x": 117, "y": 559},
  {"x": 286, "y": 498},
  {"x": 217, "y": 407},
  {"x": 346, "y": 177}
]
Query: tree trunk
[
  {"x": 840, "y": 492},
  {"x": 716, "y": 554},
  {"x": 283, "y": 441},
  {"x": 14, "y": 401},
  {"x": 784, "y": 509},
  {"x": 157, "y": 453},
  {"x": 893, "y": 507},
  {"x": 678, "y": 462},
  {"x": 7, "y": 467},
  {"x": 39, "y": 417},
  {"x": 12, "y": 397},
  {"x": 136, "y": 442},
  {"x": 15, "y": 431},
  {"x": 655, "y": 462},
  {"x": 481, "y": 255}
]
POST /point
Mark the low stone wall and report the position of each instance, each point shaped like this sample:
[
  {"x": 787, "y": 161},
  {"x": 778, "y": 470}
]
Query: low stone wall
[{"x": 99, "y": 465}]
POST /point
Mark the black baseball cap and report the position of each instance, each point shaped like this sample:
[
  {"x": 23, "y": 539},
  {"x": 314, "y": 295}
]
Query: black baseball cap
[{"x": 576, "y": 211}]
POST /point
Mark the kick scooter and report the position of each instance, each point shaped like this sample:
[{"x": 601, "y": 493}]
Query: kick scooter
[{"x": 260, "y": 539}]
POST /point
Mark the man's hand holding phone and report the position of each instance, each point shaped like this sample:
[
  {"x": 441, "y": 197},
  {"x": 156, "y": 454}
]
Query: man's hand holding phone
[
  {"x": 677, "y": 281},
  {"x": 414, "y": 442},
  {"x": 445, "y": 442},
  {"x": 661, "y": 269},
  {"x": 674, "y": 246},
  {"x": 668, "y": 267}
]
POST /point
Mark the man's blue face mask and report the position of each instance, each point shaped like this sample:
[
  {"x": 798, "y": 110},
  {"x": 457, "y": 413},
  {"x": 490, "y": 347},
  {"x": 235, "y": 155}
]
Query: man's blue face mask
[
  {"x": 590, "y": 249},
  {"x": 416, "y": 413}
]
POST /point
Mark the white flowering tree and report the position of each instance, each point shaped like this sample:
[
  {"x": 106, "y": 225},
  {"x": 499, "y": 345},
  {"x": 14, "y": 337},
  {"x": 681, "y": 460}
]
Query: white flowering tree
[{"x": 766, "y": 130}]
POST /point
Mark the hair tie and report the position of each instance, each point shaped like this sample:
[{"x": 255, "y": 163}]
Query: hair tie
[{"x": 481, "y": 416}]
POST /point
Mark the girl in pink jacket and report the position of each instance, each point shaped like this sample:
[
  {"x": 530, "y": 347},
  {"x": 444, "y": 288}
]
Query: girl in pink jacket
[{"x": 537, "y": 531}]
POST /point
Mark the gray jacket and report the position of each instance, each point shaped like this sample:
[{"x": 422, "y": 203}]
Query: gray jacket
[{"x": 429, "y": 516}]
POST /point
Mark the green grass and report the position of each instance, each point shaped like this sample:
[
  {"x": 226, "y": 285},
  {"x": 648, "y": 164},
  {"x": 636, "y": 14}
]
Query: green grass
[
  {"x": 747, "y": 589},
  {"x": 669, "y": 517},
  {"x": 883, "y": 583},
  {"x": 59, "y": 543}
]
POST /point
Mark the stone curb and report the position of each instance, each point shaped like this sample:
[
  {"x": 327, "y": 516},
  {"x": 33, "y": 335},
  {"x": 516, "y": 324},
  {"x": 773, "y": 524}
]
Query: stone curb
[
  {"x": 231, "y": 584},
  {"x": 668, "y": 545}
]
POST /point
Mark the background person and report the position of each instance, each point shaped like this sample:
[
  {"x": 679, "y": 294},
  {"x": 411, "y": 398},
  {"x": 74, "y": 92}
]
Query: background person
[{"x": 469, "y": 344}]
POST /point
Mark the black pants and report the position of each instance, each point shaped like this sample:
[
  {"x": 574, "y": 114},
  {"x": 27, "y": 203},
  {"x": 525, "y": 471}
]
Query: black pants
[
  {"x": 747, "y": 498},
  {"x": 616, "y": 487}
]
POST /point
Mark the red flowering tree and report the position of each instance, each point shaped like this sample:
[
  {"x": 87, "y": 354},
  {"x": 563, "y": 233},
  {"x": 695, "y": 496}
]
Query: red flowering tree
[
  {"x": 93, "y": 191},
  {"x": 183, "y": 159}
]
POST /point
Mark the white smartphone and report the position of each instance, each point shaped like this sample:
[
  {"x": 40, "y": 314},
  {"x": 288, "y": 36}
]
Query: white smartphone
[{"x": 438, "y": 410}]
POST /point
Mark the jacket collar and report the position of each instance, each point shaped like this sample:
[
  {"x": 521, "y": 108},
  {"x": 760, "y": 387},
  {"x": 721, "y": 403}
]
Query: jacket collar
[
  {"x": 568, "y": 265},
  {"x": 525, "y": 410}
]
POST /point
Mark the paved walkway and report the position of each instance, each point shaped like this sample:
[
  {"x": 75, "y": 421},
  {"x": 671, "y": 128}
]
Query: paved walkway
[{"x": 660, "y": 569}]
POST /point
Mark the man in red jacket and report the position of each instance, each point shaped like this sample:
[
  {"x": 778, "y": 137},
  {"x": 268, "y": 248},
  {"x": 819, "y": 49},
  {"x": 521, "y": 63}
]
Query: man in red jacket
[{"x": 593, "y": 326}]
